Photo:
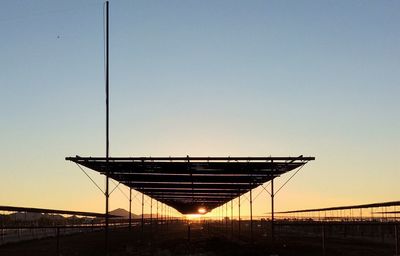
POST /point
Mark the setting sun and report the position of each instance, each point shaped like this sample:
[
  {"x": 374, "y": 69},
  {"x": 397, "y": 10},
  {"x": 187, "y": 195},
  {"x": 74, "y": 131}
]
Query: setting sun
[{"x": 202, "y": 210}]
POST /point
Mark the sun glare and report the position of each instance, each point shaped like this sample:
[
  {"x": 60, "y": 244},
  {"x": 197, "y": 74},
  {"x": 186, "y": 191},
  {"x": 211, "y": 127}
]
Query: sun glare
[{"x": 202, "y": 210}]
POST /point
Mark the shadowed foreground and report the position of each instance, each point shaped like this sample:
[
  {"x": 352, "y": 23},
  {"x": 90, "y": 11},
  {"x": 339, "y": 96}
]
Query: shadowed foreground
[{"x": 173, "y": 239}]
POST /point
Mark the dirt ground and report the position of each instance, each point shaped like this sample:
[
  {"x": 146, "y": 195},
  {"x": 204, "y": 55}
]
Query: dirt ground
[{"x": 204, "y": 240}]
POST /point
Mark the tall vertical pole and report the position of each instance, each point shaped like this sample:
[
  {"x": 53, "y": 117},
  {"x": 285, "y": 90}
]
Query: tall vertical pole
[
  {"x": 107, "y": 122},
  {"x": 251, "y": 215},
  {"x": 161, "y": 212},
  {"x": 396, "y": 236},
  {"x": 166, "y": 216},
  {"x": 157, "y": 214},
  {"x": 162, "y": 215},
  {"x": 142, "y": 213},
  {"x": 151, "y": 213},
  {"x": 323, "y": 240},
  {"x": 239, "y": 216},
  {"x": 220, "y": 215},
  {"x": 130, "y": 209},
  {"x": 232, "y": 218},
  {"x": 226, "y": 217},
  {"x": 272, "y": 212}
]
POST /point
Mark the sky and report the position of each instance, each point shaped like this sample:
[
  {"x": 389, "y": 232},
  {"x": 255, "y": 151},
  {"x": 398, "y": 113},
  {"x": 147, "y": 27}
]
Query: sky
[{"x": 201, "y": 78}]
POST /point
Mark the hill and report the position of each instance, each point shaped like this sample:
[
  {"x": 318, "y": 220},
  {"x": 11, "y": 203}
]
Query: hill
[{"x": 123, "y": 213}]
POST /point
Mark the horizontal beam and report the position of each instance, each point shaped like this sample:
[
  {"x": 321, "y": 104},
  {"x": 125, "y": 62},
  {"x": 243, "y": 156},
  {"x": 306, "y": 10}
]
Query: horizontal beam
[
  {"x": 196, "y": 158},
  {"x": 177, "y": 197},
  {"x": 237, "y": 186},
  {"x": 348, "y": 207},
  {"x": 51, "y": 211},
  {"x": 187, "y": 178},
  {"x": 187, "y": 190},
  {"x": 189, "y": 193}
]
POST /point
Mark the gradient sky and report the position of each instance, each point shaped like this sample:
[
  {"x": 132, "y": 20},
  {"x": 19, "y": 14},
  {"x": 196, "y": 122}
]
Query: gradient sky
[{"x": 201, "y": 78}]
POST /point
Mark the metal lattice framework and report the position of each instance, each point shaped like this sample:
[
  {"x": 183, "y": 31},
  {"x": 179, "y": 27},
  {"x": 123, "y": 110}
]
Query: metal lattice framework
[{"x": 190, "y": 183}]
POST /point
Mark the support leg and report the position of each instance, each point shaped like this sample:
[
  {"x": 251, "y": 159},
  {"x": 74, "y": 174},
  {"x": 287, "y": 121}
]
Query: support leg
[
  {"x": 142, "y": 213},
  {"x": 272, "y": 212},
  {"x": 157, "y": 216},
  {"x": 232, "y": 218},
  {"x": 323, "y": 240},
  {"x": 396, "y": 237},
  {"x": 251, "y": 215},
  {"x": 226, "y": 218},
  {"x": 239, "y": 217},
  {"x": 151, "y": 216},
  {"x": 130, "y": 209}
]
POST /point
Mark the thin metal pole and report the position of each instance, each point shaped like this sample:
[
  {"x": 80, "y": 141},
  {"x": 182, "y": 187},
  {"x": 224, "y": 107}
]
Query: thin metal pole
[
  {"x": 107, "y": 123},
  {"x": 251, "y": 215},
  {"x": 323, "y": 239},
  {"x": 151, "y": 212},
  {"x": 188, "y": 231},
  {"x": 272, "y": 212},
  {"x": 396, "y": 236},
  {"x": 130, "y": 209},
  {"x": 232, "y": 218},
  {"x": 239, "y": 216},
  {"x": 162, "y": 214},
  {"x": 166, "y": 217},
  {"x": 157, "y": 214},
  {"x": 142, "y": 212},
  {"x": 226, "y": 217},
  {"x": 220, "y": 214}
]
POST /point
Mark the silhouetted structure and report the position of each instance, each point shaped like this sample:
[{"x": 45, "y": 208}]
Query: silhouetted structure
[{"x": 192, "y": 183}]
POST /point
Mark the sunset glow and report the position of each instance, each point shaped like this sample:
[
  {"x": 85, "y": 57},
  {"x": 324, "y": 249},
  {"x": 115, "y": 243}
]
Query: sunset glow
[{"x": 202, "y": 210}]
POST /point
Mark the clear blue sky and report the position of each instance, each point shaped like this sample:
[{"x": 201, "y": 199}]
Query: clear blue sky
[{"x": 319, "y": 78}]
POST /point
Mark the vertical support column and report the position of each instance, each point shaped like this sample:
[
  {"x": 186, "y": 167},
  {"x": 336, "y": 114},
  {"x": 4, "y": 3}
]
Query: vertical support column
[
  {"x": 232, "y": 218},
  {"x": 272, "y": 212},
  {"x": 161, "y": 215},
  {"x": 188, "y": 231},
  {"x": 157, "y": 215},
  {"x": 396, "y": 237},
  {"x": 220, "y": 214},
  {"x": 151, "y": 215},
  {"x": 107, "y": 194},
  {"x": 323, "y": 239},
  {"x": 162, "y": 212},
  {"x": 166, "y": 215},
  {"x": 142, "y": 213},
  {"x": 239, "y": 216},
  {"x": 226, "y": 217},
  {"x": 251, "y": 215},
  {"x": 130, "y": 209}
]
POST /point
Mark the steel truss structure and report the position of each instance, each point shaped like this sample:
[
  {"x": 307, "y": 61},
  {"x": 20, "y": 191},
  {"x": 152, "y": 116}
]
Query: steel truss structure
[{"x": 190, "y": 183}]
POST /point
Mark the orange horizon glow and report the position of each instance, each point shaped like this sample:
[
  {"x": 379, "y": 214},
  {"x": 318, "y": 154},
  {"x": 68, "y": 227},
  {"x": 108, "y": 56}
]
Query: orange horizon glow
[{"x": 193, "y": 216}]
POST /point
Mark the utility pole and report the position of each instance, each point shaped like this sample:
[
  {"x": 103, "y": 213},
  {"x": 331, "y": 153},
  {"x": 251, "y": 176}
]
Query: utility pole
[{"x": 107, "y": 194}]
